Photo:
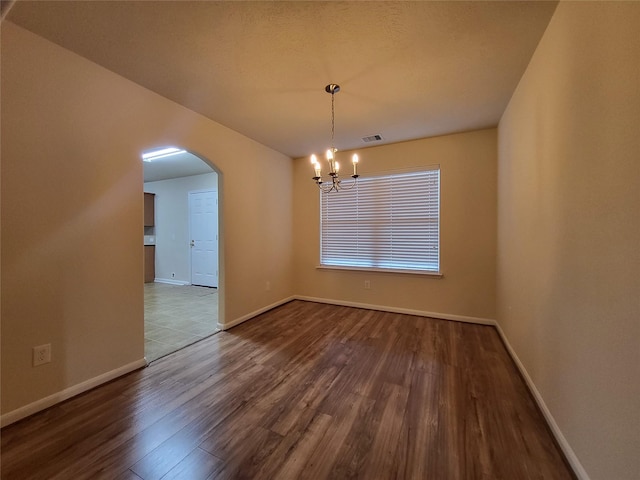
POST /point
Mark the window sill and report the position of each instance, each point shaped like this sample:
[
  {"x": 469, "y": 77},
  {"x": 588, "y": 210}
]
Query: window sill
[{"x": 381, "y": 270}]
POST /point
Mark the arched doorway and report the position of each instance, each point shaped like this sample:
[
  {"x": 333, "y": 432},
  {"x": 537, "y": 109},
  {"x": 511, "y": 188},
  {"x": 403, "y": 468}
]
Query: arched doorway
[{"x": 182, "y": 299}]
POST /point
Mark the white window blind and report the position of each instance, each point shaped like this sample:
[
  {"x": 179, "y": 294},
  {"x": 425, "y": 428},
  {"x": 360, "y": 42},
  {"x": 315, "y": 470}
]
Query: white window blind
[{"x": 388, "y": 222}]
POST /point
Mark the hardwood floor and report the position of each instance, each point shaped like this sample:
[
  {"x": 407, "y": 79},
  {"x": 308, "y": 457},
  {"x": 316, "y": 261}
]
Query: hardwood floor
[{"x": 303, "y": 391}]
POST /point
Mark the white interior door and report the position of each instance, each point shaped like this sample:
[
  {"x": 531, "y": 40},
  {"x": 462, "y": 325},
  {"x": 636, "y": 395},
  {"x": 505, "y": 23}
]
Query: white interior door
[{"x": 203, "y": 225}]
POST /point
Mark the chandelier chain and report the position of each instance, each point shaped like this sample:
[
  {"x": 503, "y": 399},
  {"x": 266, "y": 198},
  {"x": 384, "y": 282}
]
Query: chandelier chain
[{"x": 333, "y": 124}]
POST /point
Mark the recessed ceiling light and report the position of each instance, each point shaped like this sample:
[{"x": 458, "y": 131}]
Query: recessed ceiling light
[{"x": 162, "y": 152}]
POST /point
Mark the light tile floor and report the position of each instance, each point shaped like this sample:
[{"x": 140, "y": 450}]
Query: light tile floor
[{"x": 176, "y": 316}]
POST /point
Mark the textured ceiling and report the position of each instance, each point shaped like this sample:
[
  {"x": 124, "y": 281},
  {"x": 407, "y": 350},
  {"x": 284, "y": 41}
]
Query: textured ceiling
[{"x": 407, "y": 69}]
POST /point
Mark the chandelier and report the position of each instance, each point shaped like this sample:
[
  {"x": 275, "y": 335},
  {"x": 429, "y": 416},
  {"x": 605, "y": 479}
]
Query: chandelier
[{"x": 334, "y": 182}]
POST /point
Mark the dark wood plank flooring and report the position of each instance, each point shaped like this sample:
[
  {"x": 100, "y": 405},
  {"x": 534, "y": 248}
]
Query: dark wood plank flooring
[{"x": 305, "y": 391}]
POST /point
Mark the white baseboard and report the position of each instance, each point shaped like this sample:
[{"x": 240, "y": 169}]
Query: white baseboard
[
  {"x": 384, "y": 308},
  {"x": 406, "y": 311},
  {"x": 249, "y": 316},
  {"x": 570, "y": 455},
  {"x": 43, "y": 403},
  {"x": 170, "y": 281}
]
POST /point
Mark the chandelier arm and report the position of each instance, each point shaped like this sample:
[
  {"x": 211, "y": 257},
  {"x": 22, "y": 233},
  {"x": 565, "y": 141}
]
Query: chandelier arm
[
  {"x": 327, "y": 190},
  {"x": 335, "y": 184},
  {"x": 353, "y": 184},
  {"x": 329, "y": 186}
]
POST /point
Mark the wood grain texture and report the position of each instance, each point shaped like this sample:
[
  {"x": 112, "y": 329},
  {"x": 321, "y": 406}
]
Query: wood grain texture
[{"x": 303, "y": 391}]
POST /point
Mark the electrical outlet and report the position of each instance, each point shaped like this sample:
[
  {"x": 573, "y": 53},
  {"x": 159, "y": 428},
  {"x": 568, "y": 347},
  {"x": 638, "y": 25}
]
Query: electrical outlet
[
  {"x": 367, "y": 284},
  {"x": 41, "y": 354}
]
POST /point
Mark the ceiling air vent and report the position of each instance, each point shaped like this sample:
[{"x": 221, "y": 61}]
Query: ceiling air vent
[{"x": 372, "y": 138}]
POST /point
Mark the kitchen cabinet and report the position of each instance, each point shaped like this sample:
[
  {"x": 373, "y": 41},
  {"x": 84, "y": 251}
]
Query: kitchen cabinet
[
  {"x": 149, "y": 209},
  {"x": 149, "y": 263}
]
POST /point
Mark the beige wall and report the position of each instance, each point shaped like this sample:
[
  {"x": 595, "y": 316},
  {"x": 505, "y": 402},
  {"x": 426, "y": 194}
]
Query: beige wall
[
  {"x": 468, "y": 230},
  {"x": 72, "y": 263},
  {"x": 569, "y": 230}
]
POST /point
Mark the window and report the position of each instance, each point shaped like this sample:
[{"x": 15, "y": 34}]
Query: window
[{"x": 387, "y": 222}]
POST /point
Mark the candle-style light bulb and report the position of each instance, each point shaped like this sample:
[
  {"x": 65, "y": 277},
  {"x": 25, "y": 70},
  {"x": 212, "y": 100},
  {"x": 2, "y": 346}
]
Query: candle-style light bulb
[
  {"x": 330, "y": 159},
  {"x": 354, "y": 159},
  {"x": 316, "y": 165},
  {"x": 337, "y": 167}
]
